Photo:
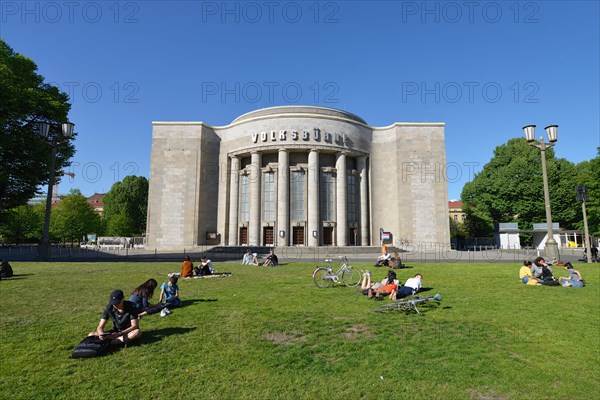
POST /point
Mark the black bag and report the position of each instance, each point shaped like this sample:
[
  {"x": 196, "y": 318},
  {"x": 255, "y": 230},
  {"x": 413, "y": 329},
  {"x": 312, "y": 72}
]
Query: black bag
[
  {"x": 91, "y": 346},
  {"x": 550, "y": 282},
  {"x": 6, "y": 270}
]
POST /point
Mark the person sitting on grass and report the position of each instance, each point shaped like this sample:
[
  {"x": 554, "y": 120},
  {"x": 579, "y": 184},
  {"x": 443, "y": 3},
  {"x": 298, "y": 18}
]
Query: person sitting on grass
[
  {"x": 206, "y": 267},
  {"x": 141, "y": 298},
  {"x": 541, "y": 270},
  {"x": 387, "y": 287},
  {"x": 526, "y": 275},
  {"x": 411, "y": 287},
  {"x": 395, "y": 261},
  {"x": 169, "y": 291},
  {"x": 6, "y": 270},
  {"x": 187, "y": 268},
  {"x": 250, "y": 258},
  {"x": 383, "y": 259},
  {"x": 574, "y": 279},
  {"x": 124, "y": 316},
  {"x": 271, "y": 260}
]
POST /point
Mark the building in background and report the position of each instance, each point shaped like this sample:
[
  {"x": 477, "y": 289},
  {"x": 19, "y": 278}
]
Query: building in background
[
  {"x": 296, "y": 176},
  {"x": 456, "y": 211},
  {"x": 96, "y": 201}
]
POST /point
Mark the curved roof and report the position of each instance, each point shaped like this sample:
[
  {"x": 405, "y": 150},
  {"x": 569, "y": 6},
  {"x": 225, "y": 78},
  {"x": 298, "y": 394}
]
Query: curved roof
[{"x": 282, "y": 110}]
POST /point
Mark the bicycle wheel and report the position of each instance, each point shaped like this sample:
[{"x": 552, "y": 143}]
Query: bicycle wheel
[
  {"x": 322, "y": 278},
  {"x": 351, "y": 277},
  {"x": 400, "y": 306}
]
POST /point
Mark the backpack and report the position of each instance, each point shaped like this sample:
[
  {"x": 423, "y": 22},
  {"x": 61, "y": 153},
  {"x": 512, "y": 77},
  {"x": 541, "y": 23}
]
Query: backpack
[
  {"x": 6, "y": 270},
  {"x": 91, "y": 346}
]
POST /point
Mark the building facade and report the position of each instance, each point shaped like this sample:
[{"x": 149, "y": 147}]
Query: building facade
[
  {"x": 296, "y": 176},
  {"x": 456, "y": 211}
]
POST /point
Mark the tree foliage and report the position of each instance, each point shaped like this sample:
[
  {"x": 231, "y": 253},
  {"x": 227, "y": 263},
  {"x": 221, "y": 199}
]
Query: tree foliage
[
  {"x": 23, "y": 224},
  {"x": 25, "y": 99},
  {"x": 510, "y": 189},
  {"x": 125, "y": 207},
  {"x": 589, "y": 176},
  {"x": 73, "y": 218}
]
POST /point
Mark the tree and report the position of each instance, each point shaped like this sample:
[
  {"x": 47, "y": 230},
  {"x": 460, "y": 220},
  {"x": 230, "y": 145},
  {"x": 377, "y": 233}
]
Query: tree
[
  {"x": 589, "y": 176},
  {"x": 457, "y": 229},
  {"x": 510, "y": 189},
  {"x": 23, "y": 223},
  {"x": 125, "y": 207},
  {"x": 73, "y": 218},
  {"x": 25, "y": 99}
]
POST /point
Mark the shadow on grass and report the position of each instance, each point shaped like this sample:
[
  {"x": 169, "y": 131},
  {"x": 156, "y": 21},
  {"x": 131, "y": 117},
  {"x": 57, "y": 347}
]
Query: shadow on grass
[
  {"x": 15, "y": 277},
  {"x": 156, "y": 335},
  {"x": 194, "y": 301},
  {"x": 425, "y": 289}
]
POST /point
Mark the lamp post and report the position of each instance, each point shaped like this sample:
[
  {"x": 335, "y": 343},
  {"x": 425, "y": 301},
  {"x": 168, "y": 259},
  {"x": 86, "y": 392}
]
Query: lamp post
[
  {"x": 582, "y": 196},
  {"x": 551, "y": 246},
  {"x": 44, "y": 249}
]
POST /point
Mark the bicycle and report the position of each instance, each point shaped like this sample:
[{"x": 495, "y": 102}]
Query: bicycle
[
  {"x": 324, "y": 276},
  {"x": 409, "y": 305}
]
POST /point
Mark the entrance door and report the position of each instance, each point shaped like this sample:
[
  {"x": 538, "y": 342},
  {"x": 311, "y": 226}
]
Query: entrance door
[
  {"x": 268, "y": 236},
  {"x": 352, "y": 238},
  {"x": 298, "y": 236},
  {"x": 243, "y": 235},
  {"x": 327, "y": 236}
]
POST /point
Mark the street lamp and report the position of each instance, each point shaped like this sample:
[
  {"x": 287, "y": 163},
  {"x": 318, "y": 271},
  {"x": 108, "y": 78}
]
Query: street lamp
[
  {"x": 44, "y": 249},
  {"x": 551, "y": 246},
  {"x": 582, "y": 196}
]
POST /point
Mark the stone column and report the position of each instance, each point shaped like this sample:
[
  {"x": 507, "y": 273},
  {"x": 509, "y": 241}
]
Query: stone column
[
  {"x": 255, "y": 178},
  {"x": 234, "y": 202},
  {"x": 313, "y": 197},
  {"x": 364, "y": 200},
  {"x": 341, "y": 200},
  {"x": 283, "y": 198}
]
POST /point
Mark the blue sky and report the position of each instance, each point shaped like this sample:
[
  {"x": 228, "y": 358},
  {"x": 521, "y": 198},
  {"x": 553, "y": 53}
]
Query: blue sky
[{"x": 484, "y": 68}]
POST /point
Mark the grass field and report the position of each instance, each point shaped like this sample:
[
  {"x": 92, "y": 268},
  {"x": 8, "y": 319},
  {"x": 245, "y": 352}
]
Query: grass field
[{"x": 269, "y": 333}]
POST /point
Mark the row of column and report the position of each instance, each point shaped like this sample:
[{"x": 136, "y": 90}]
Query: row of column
[{"x": 283, "y": 199}]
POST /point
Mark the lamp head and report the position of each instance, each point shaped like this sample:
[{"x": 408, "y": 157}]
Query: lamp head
[
  {"x": 67, "y": 129},
  {"x": 43, "y": 129},
  {"x": 529, "y": 131},
  {"x": 552, "y": 132}
]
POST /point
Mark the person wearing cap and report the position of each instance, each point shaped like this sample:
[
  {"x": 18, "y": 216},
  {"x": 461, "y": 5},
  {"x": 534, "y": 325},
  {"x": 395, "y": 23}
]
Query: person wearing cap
[{"x": 124, "y": 316}]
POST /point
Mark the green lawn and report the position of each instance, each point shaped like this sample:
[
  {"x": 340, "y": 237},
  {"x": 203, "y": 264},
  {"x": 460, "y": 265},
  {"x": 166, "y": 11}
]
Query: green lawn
[{"x": 269, "y": 333}]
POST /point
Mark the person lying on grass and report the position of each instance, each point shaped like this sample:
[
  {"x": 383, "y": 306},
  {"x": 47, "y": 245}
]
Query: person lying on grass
[
  {"x": 141, "y": 298},
  {"x": 124, "y": 316},
  {"x": 387, "y": 287},
  {"x": 411, "y": 287}
]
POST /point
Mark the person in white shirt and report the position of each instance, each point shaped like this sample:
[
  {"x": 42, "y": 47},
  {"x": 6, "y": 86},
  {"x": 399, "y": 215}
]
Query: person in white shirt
[
  {"x": 206, "y": 269},
  {"x": 250, "y": 258},
  {"x": 411, "y": 286}
]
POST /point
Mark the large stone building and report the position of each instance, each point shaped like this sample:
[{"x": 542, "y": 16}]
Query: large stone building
[{"x": 296, "y": 176}]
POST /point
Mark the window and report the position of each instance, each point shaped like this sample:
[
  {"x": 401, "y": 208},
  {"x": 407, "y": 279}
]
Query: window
[
  {"x": 269, "y": 196},
  {"x": 455, "y": 217},
  {"x": 297, "y": 203},
  {"x": 327, "y": 193},
  {"x": 245, "y": 198},
  {"x": 352, "y": 214}
]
